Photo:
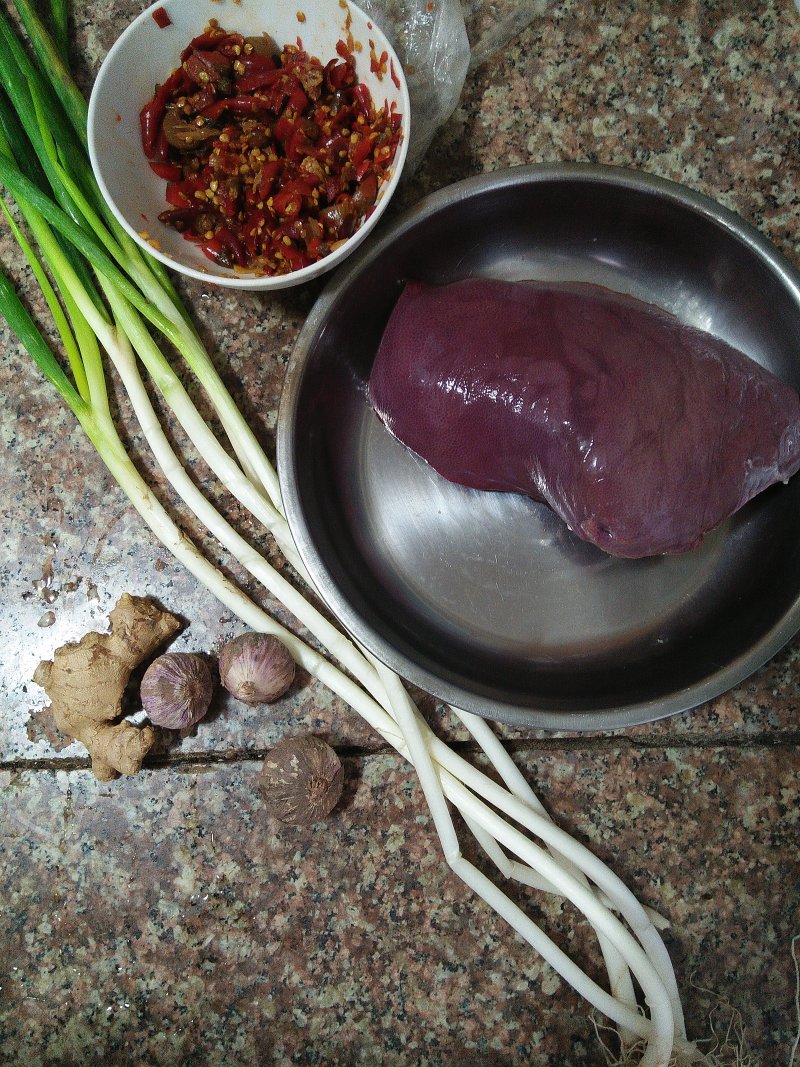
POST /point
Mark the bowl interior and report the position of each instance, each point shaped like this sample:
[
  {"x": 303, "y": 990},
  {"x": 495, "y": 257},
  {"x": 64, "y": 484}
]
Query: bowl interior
[
  {"x": 145, "y": 54},
  {"x": 486, "y": 599}
]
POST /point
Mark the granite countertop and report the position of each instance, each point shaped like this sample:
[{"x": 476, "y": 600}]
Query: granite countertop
[{"x": 165, "y": 919}]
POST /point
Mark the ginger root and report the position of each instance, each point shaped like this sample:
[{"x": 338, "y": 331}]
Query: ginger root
[{"x": 86, "y": 681}]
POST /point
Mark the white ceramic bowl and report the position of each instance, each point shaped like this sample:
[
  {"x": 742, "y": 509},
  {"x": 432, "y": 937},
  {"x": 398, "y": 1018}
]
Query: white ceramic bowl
[{"x": 144, "y": 55}]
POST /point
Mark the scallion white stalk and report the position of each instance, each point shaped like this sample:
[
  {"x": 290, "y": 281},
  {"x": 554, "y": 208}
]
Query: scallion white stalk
[{"x": 399, "y": 701}]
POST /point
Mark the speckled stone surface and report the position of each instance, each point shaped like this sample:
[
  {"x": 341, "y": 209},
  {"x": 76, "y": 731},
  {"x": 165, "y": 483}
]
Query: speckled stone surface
[{"x": 165, "y": 919}]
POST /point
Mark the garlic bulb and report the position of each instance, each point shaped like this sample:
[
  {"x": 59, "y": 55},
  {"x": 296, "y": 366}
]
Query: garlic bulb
[
  {"x": 256, "y": 668},
  {"x": 301, "y": 780},
  {"x": 176, "y": 690}
]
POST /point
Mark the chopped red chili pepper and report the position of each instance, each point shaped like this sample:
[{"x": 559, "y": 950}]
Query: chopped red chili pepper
[
  {"x": 179, "y": 218},
  {"x": 377, "y": 64},
  {"x": 360, "y": 151},
  {"x": 225, "y": 248},
  {"x": 181, "y": 193},
  {"x": 363, "y": 100},
  {"x": 272, "y": 160},
  {"x": 257, "y": 79},
  {"x": 339, "y": 75},
  {"x": 161, "y": 18},
  {"x": 204, "y": 67},
  {"x": 170, "y": 172},
  {"x": 256, "y": 62},
  {"x": 266, "y": 181},
  {"x": 211, "y": 37},
  {"x": 152, "y": 114},
  {"x": 239, "y": 105},
  {"x": 287, "y": 203}
]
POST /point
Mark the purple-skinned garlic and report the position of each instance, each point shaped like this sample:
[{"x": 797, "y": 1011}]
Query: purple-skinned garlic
[
  {"x": 176, "y": 690},
  {"x": 256, "y": 668}
]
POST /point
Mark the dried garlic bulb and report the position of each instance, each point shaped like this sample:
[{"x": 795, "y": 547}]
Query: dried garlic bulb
[{"x": 301, "y": 780}]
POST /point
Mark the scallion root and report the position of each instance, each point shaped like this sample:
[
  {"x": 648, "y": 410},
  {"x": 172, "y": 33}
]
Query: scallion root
[{"x": 725, "y": 1046}]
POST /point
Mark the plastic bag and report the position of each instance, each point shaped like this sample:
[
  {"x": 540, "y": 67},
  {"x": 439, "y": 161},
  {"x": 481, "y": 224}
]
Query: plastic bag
[
  {"x": 431, "y": 41},
  {"x": 492, "y": 25}
]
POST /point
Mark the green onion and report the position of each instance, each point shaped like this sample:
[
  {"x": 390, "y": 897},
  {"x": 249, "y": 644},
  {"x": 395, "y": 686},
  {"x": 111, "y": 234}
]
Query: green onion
[
  {"x": 59, "y": 16},
  {"x": 106, "y": 296},
  {"x": 53, "y": 63},
  {"x": 13, "y": 133}
]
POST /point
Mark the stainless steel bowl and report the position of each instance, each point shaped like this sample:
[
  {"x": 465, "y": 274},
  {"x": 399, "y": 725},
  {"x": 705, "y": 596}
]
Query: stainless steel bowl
[{"x": 486, "y": 600}]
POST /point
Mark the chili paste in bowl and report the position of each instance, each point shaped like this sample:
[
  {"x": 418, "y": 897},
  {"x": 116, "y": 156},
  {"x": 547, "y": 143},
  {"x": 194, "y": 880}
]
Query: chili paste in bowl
[{"x": 255, "y": 154}]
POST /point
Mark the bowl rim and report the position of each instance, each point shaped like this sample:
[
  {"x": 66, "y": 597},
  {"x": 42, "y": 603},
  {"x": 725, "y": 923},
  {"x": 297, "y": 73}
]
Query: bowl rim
[
  {"x": 244, "y": 281},
  {"x": 715, "y": 684}
]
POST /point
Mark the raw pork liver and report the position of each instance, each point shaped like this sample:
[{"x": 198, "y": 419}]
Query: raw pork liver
[{"x": 642, "y": 433}]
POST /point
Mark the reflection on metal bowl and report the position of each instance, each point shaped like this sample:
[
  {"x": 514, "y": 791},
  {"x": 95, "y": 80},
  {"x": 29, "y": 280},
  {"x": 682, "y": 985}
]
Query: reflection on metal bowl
[{"x": 486, "y": 600}]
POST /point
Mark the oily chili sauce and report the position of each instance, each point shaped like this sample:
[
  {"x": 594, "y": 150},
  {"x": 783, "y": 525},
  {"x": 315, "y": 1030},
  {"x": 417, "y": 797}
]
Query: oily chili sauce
[{"x": 271, "y": 158}]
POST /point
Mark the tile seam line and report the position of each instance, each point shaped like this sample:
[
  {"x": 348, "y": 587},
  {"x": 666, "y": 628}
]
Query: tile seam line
[{"x": 544, "y": 746}]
